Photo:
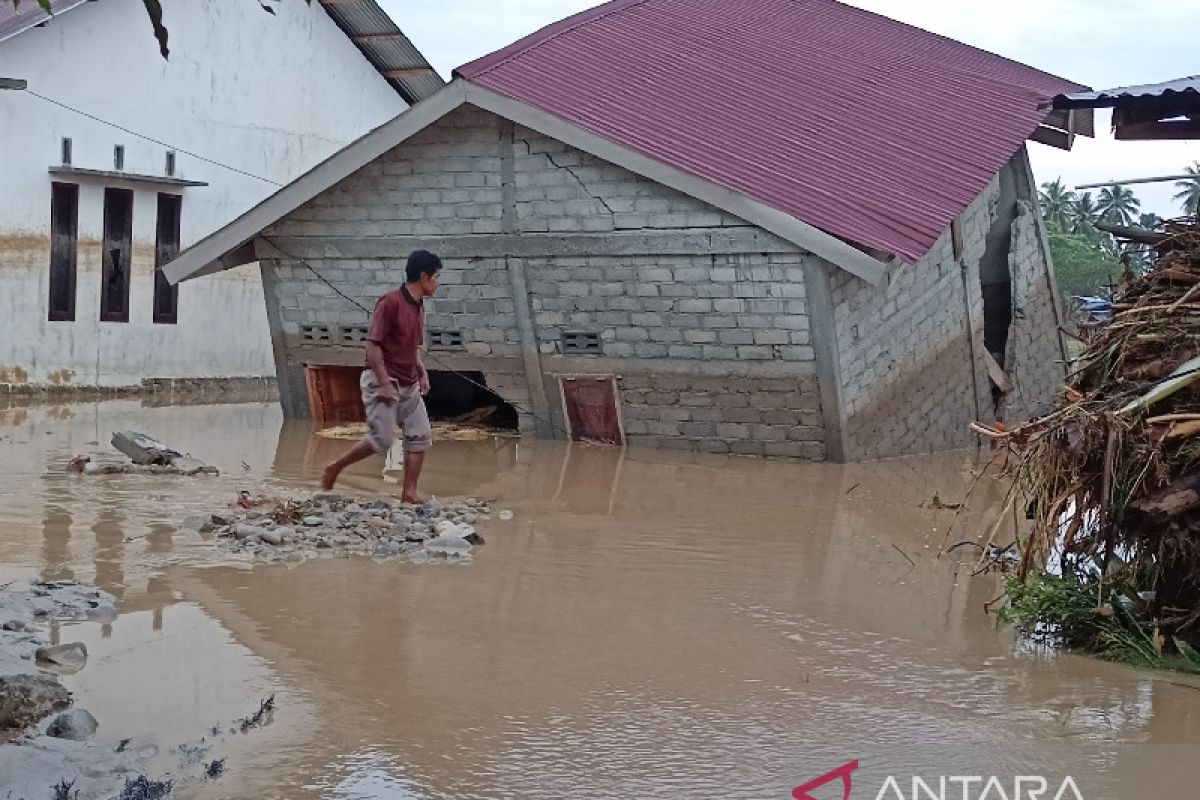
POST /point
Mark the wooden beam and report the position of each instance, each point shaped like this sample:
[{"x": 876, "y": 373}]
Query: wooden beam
[
  {"x": 1140, "y": 235},
  {"x": 1172, "y": 129},
  {"x": 1157, "y": 179},
  {"x": 407, "y": 74},
  {"x": 1053, "y": 137}
]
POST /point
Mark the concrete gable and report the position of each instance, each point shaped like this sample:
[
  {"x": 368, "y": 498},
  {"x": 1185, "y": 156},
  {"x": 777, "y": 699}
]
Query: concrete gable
[{"x": 446, "y": 181}]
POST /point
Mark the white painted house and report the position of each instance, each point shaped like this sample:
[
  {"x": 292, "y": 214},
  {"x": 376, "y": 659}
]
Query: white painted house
[{"x": 115, "y": 158}]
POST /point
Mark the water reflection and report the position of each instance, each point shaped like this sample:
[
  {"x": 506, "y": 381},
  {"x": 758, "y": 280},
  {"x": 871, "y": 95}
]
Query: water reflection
[
  {"x": 56, "y": 544},
  {"x": 648, "y": 624}
]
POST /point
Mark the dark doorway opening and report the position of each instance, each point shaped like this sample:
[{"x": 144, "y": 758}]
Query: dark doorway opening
[
  {"x": 995, "y": 278},
  {"x": 334, "y": 397},
  {"x": 462, "y": 398}
]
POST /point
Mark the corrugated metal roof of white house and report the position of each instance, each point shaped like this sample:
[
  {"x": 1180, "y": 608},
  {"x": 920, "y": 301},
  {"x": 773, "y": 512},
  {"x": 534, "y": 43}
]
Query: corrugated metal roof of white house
[{"x": 386, "y": 47}]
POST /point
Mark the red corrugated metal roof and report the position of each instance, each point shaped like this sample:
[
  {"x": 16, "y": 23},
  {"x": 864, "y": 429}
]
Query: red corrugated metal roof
[{"x": 870, "y": 129}]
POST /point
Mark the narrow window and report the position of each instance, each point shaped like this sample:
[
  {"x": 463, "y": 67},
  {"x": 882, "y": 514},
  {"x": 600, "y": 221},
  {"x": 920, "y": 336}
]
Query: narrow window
[
  {"x": 118, "y": 234},
  {"x": 170, "y": 167},
  {"x": 66, "y": 151},
  {"x": 956, "y": 237},
  {"x": 166, "y": 296},
  {"x": 119, "y": 157},
  {"x": 64, "y": 230}
]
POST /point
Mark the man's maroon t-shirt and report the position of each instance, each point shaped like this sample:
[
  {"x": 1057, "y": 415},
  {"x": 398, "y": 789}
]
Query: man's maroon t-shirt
[{"x": 398, "y": 327}]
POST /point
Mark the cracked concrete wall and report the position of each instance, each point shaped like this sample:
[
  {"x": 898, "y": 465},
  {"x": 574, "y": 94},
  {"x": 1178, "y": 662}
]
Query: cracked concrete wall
[
  {"x": 722, "y": 337},
  {"x": 911, "y": 352},
  {"x": 703, "y": 319},
  {"x": 1036, "y": 357}
]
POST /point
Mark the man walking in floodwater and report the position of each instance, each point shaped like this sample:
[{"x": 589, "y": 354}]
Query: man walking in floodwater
[{"x": 395, "y": 382}]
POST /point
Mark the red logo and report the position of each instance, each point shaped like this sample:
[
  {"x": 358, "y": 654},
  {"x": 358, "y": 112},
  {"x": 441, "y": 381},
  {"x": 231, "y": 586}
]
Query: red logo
[{"x": 843, "y": 772}]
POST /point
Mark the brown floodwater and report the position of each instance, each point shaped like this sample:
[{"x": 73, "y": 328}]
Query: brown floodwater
[{"x": 649, "y": 624}]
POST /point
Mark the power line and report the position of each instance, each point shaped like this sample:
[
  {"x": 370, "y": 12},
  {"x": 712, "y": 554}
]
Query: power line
[
  {"x": 302, "y": 261},
  {"x": 159, "y": 142}
]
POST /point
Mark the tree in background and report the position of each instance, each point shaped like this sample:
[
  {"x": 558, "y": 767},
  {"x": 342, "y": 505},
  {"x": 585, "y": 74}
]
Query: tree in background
[
  {"x": 1086, "y": 260},
  {"x": 1057, "y": 204},
  {"x": 1081, "y": 269},
  {"x": 1084, "y": 214},
  {"x": 1189, "y": 191},
  {"x": 1118, "y": 205}
]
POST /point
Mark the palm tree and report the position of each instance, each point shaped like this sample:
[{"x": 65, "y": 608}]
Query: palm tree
[
  {"x": 1083, "y": 214},
  {"x": 1118, "y": 205},
  {"x": 1189, "y": 190},
  {"x": 1055, "y": 200},
  {"x": 1149, "y": 221}
]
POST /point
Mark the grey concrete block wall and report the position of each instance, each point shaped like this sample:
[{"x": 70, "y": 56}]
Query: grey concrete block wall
[
  {"x": 911, "y": 360},
  {"x": 744, "y": 416},
  {"x": 1035, "y": 360},
  {"x": 703, "y": 319},
  {"x": 559, "y": 188},
  {"x": 683, "y": 308},
  {"x": 716, "y": 336},
  {"x": 911, "y": 376}
]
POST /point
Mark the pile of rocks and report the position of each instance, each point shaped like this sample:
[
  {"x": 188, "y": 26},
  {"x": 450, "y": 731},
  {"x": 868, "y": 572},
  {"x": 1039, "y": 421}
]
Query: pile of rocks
[
  {"x": 283, "y": 529},
  {"x": 47, "y": 748},
  {"x": 29, "y": 688}
]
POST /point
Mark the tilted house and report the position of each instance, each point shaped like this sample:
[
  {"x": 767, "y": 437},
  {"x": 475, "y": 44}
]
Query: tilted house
[{"x": 771, "y": 227}]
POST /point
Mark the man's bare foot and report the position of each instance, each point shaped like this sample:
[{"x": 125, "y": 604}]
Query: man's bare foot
[
  {"x": 329, "y": 477},
  {"x": 413, "y": 499}
]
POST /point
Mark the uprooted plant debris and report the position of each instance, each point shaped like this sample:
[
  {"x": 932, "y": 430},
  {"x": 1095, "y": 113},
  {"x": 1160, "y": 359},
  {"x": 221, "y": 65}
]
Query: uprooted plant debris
[
  {"x": 265, "y": 709},
  {"x": 142, "y": 788},
  {"x": 64, "y": 790},
  {"x": 1110, "y": 479}
]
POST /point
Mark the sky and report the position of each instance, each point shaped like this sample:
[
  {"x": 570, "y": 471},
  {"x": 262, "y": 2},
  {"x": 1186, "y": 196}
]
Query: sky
[{"x": 1099, "y": 43}]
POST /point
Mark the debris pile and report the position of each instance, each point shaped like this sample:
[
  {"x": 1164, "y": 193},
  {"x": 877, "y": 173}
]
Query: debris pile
[
  {"x": 443, "y": 431},
  {"x": 146, "y": 456},
  {"x": 287, "y": 529},
  {"x": 1111, "y": 477}
]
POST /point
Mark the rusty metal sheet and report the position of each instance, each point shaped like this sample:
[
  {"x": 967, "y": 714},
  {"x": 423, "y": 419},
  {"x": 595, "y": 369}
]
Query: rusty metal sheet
[
  {"x": 333, "y": 394},
  {"x": 591, "y": 406}
]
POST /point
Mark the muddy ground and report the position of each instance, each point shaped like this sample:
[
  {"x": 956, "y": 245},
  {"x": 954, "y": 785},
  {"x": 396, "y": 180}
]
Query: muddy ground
[{"x": 647, "y": 624}]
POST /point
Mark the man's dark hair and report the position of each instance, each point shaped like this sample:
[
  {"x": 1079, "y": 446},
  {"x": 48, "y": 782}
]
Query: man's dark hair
[{"x": 421, "y": 262}]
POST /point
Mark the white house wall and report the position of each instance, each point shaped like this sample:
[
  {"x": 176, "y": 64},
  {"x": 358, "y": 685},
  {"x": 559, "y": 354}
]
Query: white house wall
[{"x": 269, "y": 95}]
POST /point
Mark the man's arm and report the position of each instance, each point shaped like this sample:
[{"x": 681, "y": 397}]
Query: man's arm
[
  {"x": 375, "y": 364},
  {"x": 423, "y": 376}
]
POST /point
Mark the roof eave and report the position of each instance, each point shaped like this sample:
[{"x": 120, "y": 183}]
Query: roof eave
[
  {"x": 217, "y": 251},
  {"x": 414, "y": 79}
]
